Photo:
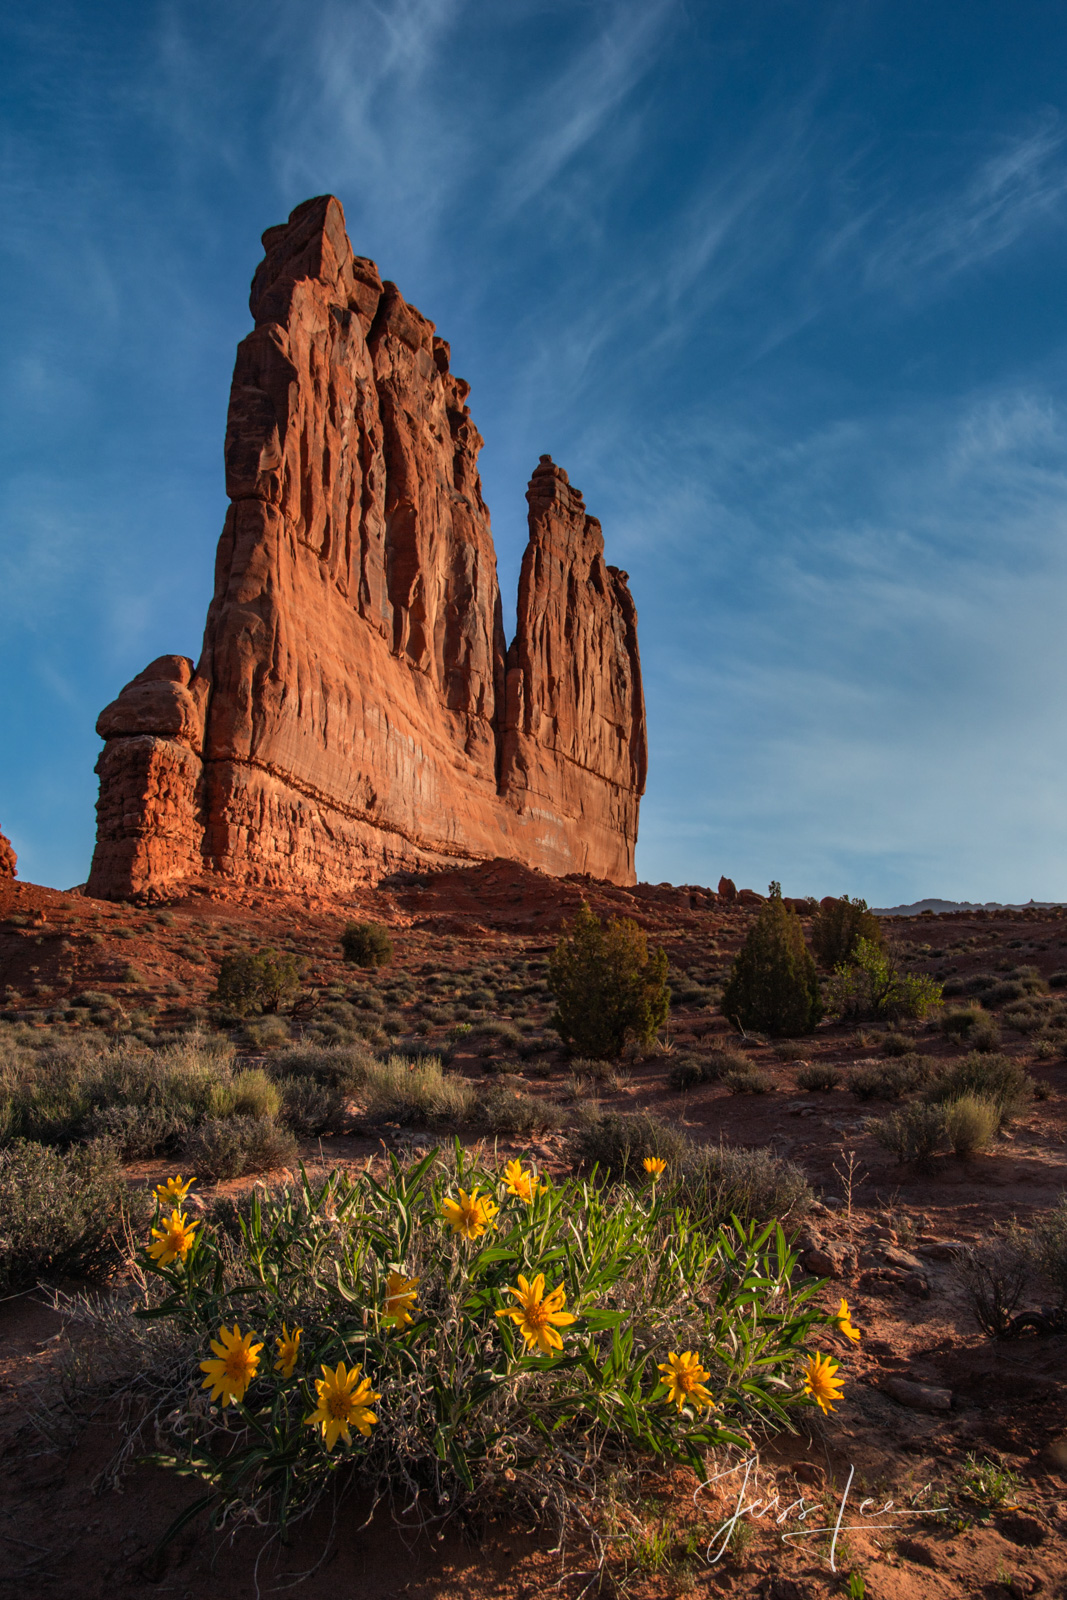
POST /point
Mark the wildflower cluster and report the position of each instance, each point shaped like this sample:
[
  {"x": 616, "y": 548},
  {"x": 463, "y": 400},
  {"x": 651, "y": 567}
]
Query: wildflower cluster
[{"x": 455, "y": 1328}]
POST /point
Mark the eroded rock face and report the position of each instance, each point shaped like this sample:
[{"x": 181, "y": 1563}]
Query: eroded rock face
[
  {"x": 355, "y": 708},
  {"x": 8, "y": 858}
]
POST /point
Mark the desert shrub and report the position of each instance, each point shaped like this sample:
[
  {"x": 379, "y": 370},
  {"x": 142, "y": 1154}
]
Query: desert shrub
[
  {"x": 1030, "y": 1014},
  {"x": 312, "y": 1108},
  {"x": 773, "y": 987},
  {"x": 889, "y": 1080},
  {"x": 233, "y": 1147},
  {"x": 688, "y": 1071},
  {"x": 490, "y": 1037},
  {"x": 790, "y": 1052},
  {"x": 837, "y": 928},
  {"x": 995, "y": 1078},
  {"x": 603, "y": 1072},
  {"x": 470, "y": 1415},
  {"x": 818, "y": 1077},
  {"x": 508, "y": 1110},
  {"x": 971, "y": 1124},
  {"x": 1057, "y": 980},
  {"x": 914, "y": 1133},
  {"x": 748, "y": 1080},
  {"x": 985, "y": 1036},
  {"x": 268, "y": 1033},
  {"x": 414, "y": 1091},
  {"x": 958, "y": 1023},
  {"x": 1045, "y": 1243},
  {"x": 60, "y": 1213},
  {"x": 336, "y": 1066},
  {"x": 870, "y": 988},
  {"x": 135, "y": 1131},
  {"x": 251, "y": 1094},
  {"x": 366, "y": 944},
  {"x": 609, "y": 988},
  {"x": 617, "y": 1142},
  {"x": 897, "y": 1044},
  {"x": 251, "y": 983},
  {"x": 721, "y": 1181},
  {"x": 993, "y": 1276}
]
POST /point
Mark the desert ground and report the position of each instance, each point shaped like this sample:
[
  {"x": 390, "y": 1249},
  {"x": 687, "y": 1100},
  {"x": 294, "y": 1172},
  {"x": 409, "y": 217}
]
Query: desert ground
[{"x": 956, "y": 1441}]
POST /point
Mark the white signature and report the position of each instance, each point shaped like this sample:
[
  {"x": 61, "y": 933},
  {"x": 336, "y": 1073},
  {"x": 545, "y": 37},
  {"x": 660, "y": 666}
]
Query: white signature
[{"x": 799, "y": 1511}]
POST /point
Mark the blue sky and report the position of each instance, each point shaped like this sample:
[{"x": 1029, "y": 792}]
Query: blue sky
[{"x": 780, "y": 284}]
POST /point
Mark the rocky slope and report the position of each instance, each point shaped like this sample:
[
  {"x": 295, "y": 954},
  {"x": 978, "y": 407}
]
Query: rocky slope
[{"x": 355, "y": 707}]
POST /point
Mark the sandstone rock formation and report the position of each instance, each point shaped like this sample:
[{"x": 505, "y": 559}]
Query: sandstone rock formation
[
  {"x": 355, "y": 707},
  {"x": 8, "y": 858}
]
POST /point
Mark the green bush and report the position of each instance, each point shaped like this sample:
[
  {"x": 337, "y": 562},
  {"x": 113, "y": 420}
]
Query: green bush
[
  {"x": 609, "y": 989},
  {"x": 416, "y": 1091},
  {"x": 466, "y": 1414},
  {"x": 266, "y": 981},
  {"x": 869, "y": 988},
  {"x": 60, "y": 1213},
  {"x": 995, "y": 1078},
  {"x": 773, "y": 986},
  {"x": 971, "y": 1124},
  {"x": 914, "y": 1133},
  {"x": 234, "y": 1147},
  {"x": 837, "y": 927},
  {"x": 366, "y": 944}
]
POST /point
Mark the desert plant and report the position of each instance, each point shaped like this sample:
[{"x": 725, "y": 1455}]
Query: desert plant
[
  {"x": 311, "y": 1108},
  {"x": 721, "y": 1181},
  {"x": 60, "y": 1213},
  {"x": 889, "y": 1080},
  {"x": 914, "y": 1133},
  {"x": 414, "y": 1091},
  {"x": 838, "y": 926},
  {"x": 870, "y": 988},
  {"x": 343, "y": 1067},
  {"x": 748, "y": 1080},
  {"x": 268, "y": 980},
  {"x": 508, "y": 1110},
  {"x": 959, "y": 1023},
  {"x": 994, "y": 1078},
  {"x": 1045, "y": 1243},
  {"x": 609, "y": 988},
  {"x": 818, "y": 1077},
  {"x": 232, "y": 1147},
  {"x": 366, "y": 944},
  {"x": 971, "y": 1124},
  {"x": 773, "y": 987},
  {"x": 688, "y": 1071},
  {"x": 993, "y": 1276},
  {"x": 617, "y": 1143},
  {"x": 477, "y": 1408}
]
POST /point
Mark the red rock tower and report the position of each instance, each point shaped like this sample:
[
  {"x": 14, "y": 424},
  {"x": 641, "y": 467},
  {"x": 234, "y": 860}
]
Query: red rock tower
[{"x": 355, "y": 708}]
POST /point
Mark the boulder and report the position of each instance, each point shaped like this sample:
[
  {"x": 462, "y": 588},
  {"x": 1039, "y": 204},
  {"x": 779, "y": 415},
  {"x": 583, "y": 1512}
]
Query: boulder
[
  {"x": 8, "y": 859},
  {"x": 356, "y": 708}
]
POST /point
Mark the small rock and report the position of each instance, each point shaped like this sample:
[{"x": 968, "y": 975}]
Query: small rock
[
  {"x": 917, "y": 1285},
  {"x": 808, "y": 1472},
  {"x": 942, "y": 1249},
  {"x": 902, "y": 1259},
  {"x": 1053, "y": 1458},
  {"x": 917, "y": 1396}
]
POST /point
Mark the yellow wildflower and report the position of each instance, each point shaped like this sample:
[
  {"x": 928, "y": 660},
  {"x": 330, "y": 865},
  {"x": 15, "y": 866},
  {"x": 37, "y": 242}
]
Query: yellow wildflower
[
  {"x": 174, "y": 1191},
  {"x": 519, "y": 1182},
  {"x": 844, "y": 1323},
  {"x": 343, "y": 1400},
  {"x": 685, "y": 1380},
  {"x": 654, "y": 1165},
  {"x": 400, "y": 1298},
  {"x": 237, "y": 1364},
  {"x": 538, "y": 1315},
  {"x": 821, "y": 1382},
  {"x": 288, "y": 1351},
  {"x": 470, "y": 1215},
  {"x": 173, "y": 1239}
]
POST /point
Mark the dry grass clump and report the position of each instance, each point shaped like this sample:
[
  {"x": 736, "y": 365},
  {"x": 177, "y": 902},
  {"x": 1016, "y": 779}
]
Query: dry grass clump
[
  {"x": 62, "y": 1213},
  {"x": 971, "y": 1124},
  {"x": 889, "y": 1080},
  {"x": 237, "y": 1146},
  {"x": 509, "y": 1110},
  {"x": 994, "y": 1078},
  {"x": 689, "y": 1071},
  {"x": 818, "y": 1077},
  {"x": 416, "y": 1090},
  {"x": 914, "y": 1133}
]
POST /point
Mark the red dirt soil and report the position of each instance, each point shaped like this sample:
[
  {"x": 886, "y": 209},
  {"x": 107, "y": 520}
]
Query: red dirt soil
[{"x": 65, "y": 1533}]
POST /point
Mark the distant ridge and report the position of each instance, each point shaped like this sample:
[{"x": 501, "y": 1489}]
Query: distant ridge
[{"x": 917, "y": 907}]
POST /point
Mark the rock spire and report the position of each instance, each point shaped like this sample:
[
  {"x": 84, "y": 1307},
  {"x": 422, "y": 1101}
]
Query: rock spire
[{"x": 355, "y": 708}]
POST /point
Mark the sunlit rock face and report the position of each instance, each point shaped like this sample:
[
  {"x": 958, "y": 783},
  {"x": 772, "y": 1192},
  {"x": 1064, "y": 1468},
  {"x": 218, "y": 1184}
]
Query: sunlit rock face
[{"x": 356, "y": 708}]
